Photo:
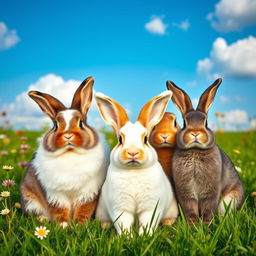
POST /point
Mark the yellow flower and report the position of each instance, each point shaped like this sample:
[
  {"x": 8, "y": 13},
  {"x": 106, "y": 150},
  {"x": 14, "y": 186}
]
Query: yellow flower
[
  {"x": 13, "y": 151},
  {"x": 217, "y": 114},
  {"x": 236, "y": 151},
  {"x": 7, "y": 167},
  {"x": 5, "y": 194},
  {"x": 41, "y": 232},
  {"x": 253, "y": 194},
  {"x": 17, "y": 205},
  {"x": 5, "y": 211},
  {"x": 6, "y": 141}
]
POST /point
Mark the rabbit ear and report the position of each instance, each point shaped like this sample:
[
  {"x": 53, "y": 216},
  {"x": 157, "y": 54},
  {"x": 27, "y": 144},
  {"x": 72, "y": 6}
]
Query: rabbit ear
[
  {"x": 83, "y": 96},
  {"x": 111, "y": 111},
  {"x": 207, "y": 97},
  {"x": 180, "y": 98},
  {"x": 153, "y": 111},
  {"x": 49, "y": 105}
]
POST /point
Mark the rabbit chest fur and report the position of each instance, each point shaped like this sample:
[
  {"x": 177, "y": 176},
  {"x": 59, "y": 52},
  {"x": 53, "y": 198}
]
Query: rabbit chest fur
[
  {"x": 197, "y": 174},
  {"x": 71, "y": 178},
  {"x": 136, "y": 190}
]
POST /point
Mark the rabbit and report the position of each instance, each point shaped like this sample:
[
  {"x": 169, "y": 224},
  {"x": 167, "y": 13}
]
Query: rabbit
[
  {"x": 205, "y": 179},
  {"x": 136, "y": 184},
  {"x": 163, "y": 139},
  {"x": 64, "y": 178}
]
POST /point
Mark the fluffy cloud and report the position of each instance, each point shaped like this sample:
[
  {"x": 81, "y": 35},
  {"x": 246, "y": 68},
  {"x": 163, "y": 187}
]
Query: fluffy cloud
[
  {"x": 233, "y": 15},
  {"x": 184, "y": 25},
  {"x": 24, "y": 112},
  {"x": 233, "y": 120},
  {"x": 235, "y": 60},
  {"x": 8, "y": 38},
  {"x": 156, "y": 26}
]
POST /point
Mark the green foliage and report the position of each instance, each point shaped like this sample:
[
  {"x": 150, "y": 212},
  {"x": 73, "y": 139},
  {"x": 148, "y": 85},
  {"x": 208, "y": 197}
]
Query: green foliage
[{"x": 233, "y": 234}]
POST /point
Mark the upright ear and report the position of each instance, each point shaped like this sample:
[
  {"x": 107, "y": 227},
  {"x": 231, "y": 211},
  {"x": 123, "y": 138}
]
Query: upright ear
[
  {"x": 180, "y": 98},
  {"x": 207, "y": 97},
  {"x": 49, "y": 105},
  {"x": 153, "y": 111},
  {"x": 83, "y": 96},
  {"x": 111, "y": 111}
]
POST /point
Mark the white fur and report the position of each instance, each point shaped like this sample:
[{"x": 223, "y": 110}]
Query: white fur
[
  {"x": 67, "y": 115},
  {"x": 227, "y": 204},
  {"x": 71, "y": 178},
  {"x": 135, "y": 191},
  {"x": 35, "y": 207},
  {"x": 133, "y": 140}
]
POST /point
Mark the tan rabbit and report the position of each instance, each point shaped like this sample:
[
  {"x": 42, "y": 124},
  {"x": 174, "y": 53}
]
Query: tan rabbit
[
  {"x": 163, "y": 139},
  {"x": 65, "y": 176}
]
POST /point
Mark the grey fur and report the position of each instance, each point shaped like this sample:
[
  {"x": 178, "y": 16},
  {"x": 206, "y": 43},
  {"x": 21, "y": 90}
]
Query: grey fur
[{"x": 203, "y": 174}]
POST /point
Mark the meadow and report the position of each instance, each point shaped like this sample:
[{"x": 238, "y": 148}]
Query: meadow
[{"x": 233, "y": 234}]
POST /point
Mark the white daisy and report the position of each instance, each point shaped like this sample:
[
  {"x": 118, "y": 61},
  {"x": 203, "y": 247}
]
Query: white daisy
[
  {"x": 41, "y": 232},
  {"x": 5, "y": 211},
  {"x": 5, "y": 194}
]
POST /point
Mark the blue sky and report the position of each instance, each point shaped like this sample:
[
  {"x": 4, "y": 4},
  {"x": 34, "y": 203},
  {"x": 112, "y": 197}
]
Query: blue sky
[{"x": 188, "y": 42}]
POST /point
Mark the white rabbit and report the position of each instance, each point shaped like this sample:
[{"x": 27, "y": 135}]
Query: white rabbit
[
  {"x": 65, "y": 176},
  {"x": 136, "y": 184}
]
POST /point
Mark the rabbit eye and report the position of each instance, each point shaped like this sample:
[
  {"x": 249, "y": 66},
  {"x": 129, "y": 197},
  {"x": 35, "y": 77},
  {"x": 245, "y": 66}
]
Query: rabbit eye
[
  {"x": 206, "y": 124},
  {"x": 145, "y": 139},
  {"x": 120, "y": 139},
  {"x": 81, "y": 124},
  {"x": 175, "y": 123},
  {"x": 184, "y": 124}
]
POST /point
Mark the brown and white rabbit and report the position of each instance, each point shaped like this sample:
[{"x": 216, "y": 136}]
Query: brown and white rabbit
[
  {"x": 163, "y": 139},
  {"x": 205, "y": 178},
  {"x": 136, "y": 185},
  {"x": 65, "y": 176}
]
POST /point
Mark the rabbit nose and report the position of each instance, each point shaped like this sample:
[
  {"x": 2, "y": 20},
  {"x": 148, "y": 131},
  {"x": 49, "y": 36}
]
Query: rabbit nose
[
  {"x": 133, "y": 154},
  {"x": 195, "y": 134},
  {"x": 164, "y": 137},
  {"x": 68, "y": 137}
]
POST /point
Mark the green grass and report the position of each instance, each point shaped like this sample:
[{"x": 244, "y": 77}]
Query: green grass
[{"x": 234, "y": 234}]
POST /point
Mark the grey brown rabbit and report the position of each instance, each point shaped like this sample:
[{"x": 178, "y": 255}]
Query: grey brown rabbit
[{"x": 205, "y": 178}]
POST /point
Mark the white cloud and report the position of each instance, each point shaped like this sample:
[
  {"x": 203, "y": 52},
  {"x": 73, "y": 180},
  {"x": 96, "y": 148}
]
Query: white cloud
[
  {"x": 224, "y": 99},
  {"x": 233, "y": 120},
  {"x": 156, "y": 25},
  {"x": 253, "y": 124},
  {"x": 204, "y": 66},
  {"x": 184, "y": 25},
  {"x": 234, "y": 60},
  {"x": 233, "y": 15},
  {"x": 24, "y": 112},
  {"x": 8, "y": 38}
]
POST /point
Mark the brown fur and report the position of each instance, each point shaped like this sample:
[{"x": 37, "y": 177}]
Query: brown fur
[
  {"x": 163, "y": 139},
  {"x": 84, "y": 212},
  {"x": 79, "y": 134},
  {"x": 60, "y": 214},
  {"x": 146, "y": 116},
  {"x": 117, "y": 113},
  {"x": 31, "y": 189}
]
